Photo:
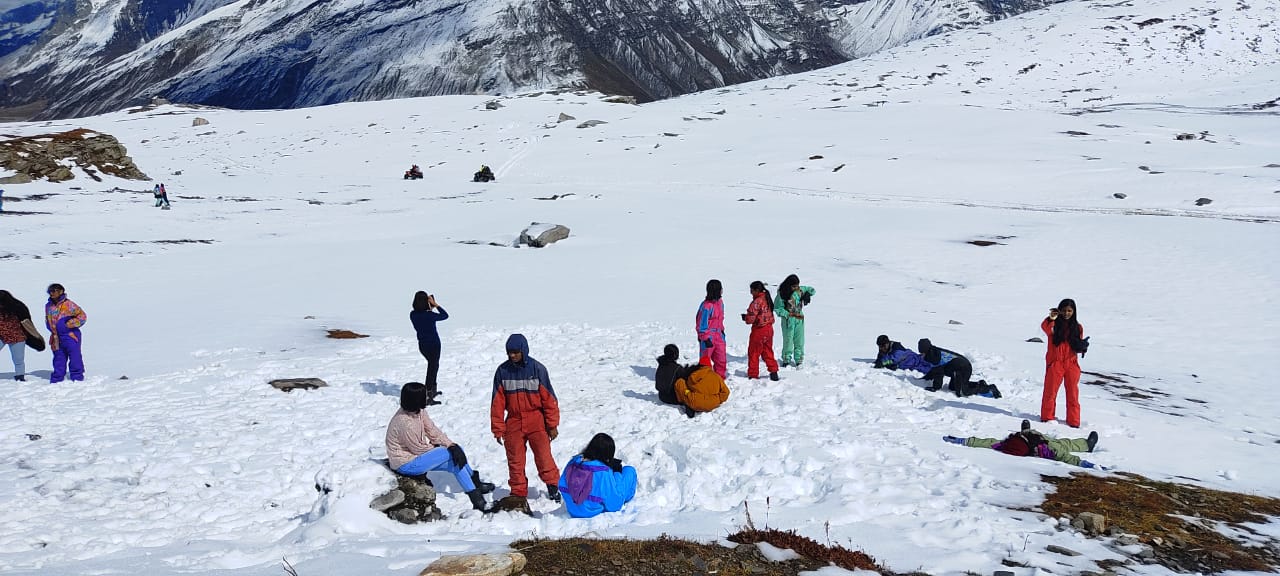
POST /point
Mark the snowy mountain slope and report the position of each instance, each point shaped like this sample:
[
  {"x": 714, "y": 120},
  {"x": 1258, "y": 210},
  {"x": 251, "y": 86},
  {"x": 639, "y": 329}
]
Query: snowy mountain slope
[
  {"x": 194, "y": 466},
  {"x": 301, "y": 53}
]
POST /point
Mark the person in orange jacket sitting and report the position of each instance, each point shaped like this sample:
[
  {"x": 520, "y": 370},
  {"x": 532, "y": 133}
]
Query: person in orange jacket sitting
[{"x": 700, "y": 388}]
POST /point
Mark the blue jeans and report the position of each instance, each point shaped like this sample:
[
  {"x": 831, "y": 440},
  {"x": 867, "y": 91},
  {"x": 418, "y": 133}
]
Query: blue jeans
[
  {"x": 438, "y": 459},
  {"x": 17, "y": 351}
]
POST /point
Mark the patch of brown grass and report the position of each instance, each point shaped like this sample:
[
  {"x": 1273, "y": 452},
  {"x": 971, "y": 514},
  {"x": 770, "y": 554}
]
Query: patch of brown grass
[
  {"x": 345, "y": 334},
  {"x": 1177, "y": 520},
  {"x": 667, "y": 556}
]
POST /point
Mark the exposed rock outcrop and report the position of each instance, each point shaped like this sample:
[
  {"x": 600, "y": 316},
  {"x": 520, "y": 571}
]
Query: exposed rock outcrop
[{"x": 44, "y": 156}]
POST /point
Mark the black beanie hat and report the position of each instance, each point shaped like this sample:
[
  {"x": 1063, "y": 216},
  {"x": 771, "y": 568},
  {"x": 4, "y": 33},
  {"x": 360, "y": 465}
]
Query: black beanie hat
[
  {"x": 671, "y": 351},
  {"x": 882, "y": 339},
  {"x": 924, "y": 345}
]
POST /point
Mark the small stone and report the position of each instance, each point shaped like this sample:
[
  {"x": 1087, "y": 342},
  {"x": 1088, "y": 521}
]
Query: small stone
[
  {"x": 1147, "y": 552},
  {"x": 1114, "y": 530},
  {"x": 1002, "y": 573},
  {"x": 1185, "y": 136},
  {"x": 1203, "y": 201},
  {"x": 199, "y": 122},
  {"x": 590, "y": 123},
  {"x": 477, "y": 565},
  {"x": 1060, "y": 550},
  {"x": 955, "y": 322},
  {"x": 1158, "y": 541},
  {"x": 124, "y": 378},
  {"x": 404, "y": 515},
  {"x": 539, "y": 234},
  {"x": 1126, "y": 540},
  {"x": 1120, "y": 195},
  {"x": 816, "y": 157},
  {"x": 1220, "y": 555},
  {"x": 1035, "y": 339},
  {"x": 417, "y": 493},
  {"x": 387, "y": 501},
  {"x": 564, "y": 118},
  {"x": 34, "y": 437},
  {"x": 1093, "y": 523},
  {"x": 492, "y": 105}
]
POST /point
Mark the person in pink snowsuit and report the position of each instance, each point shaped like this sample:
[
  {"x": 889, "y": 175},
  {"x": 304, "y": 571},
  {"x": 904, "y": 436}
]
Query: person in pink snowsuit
[
  {"x": 710, "y": 325},
  {"x": 760, "y": 316}
]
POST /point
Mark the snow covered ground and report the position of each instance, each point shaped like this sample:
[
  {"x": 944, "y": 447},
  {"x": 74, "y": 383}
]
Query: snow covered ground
[{"x": 867, "y": 180}]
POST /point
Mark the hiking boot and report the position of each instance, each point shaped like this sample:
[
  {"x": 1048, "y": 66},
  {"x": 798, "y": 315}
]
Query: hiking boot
[
  {"x": 1093, "y": 440},
  {"x": 784, "y": 364},
  {"x": 995, "y": 392},
  {"x": 483, "y": 487},
  {"x": 20, "y": 378},
  {"x": 1026, "y": 425},
  {"x": 512, "y": 503},
  {"x": 689, "y": 412},
  {"x": 773, "y": 376},
  {"x": 553, "y": 492},
  {"x": 477, "y": 500}
]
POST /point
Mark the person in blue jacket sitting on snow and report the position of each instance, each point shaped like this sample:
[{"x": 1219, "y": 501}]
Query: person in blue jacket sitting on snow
[
  {"x": 894, "y": 356},
  {"x": 594, "y": 481}
]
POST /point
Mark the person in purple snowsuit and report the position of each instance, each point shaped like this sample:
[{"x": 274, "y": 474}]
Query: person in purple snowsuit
[
  {"x": 64, "y": 318},
  {"x": 711, "y": 328}
]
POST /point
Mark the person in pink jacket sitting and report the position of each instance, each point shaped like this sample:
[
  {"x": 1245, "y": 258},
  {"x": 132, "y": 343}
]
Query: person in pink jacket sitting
[
  {"x": 415, "y": 446},
  {"x": 760, "y": 316},
  {"x": 710, "y": 328}
]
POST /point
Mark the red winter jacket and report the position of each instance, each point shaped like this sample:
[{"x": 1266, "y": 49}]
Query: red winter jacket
[
  {"x": 1061, "y": 352},
  {"x": 759, "y": 313}
]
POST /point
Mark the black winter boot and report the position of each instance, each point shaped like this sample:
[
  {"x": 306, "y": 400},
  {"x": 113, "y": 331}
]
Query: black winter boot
[
  {"x": 1093, "y": 440},
  {"x": 483, "y": 487},
  {"x": 553, "y": 492},
  {"x": 773, "y": 376},
  {"x": 477, "y": 500}
]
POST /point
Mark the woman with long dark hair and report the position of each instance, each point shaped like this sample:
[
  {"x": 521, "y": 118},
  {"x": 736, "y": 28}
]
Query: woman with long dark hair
[
  {"x": 1066, "y": 339},
  {"x": 424, "y": 316},
  {"x": 415, "y": 446},
  {"x": 595, "y": 481},
  {"x": 759, "y": 316},
  {"x": 16, "y": 330},
  {"x": 710, "y": 326},
  {"x": 792, "y": 298}
]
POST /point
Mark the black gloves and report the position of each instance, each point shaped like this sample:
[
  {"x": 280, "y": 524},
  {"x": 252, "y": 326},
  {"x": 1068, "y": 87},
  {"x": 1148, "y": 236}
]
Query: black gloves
[
  {"x": 614, "y": 464},
  {"x": 458, "y": 456}
]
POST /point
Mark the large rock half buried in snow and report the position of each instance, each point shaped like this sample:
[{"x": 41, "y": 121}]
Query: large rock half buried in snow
[
  {"x": 42, "y": 156},
  {"x": 477, "y": 565},
  {"x": 539, "y": 234}
]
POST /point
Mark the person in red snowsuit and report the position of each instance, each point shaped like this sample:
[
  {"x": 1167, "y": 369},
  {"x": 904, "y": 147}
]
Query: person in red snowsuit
[
  {"x": 524, "y": 411},
  {"x": 760, "y": 316},
  {"x": 1066, "y": 339}
]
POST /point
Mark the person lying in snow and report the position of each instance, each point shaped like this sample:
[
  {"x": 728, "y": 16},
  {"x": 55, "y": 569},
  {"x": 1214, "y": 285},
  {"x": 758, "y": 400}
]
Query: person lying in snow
[
  {"x": 894, "y": 357},
  {"x": 413, "y": 173},
  {"x": 948, "y": 363},
  {"x": 415, "y": 446},
  {"x": 484, "y": 174},
  {"x": 700, "y": 388},
  {"x": 664, "y": 380},
  {"x": 1028, "y": 442},
  {"x": 595, "y": 481}
]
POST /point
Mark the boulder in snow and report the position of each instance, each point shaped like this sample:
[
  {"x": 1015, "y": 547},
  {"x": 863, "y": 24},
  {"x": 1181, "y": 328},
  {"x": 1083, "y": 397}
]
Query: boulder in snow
[
  {"x": 1090, "y": 522},
  {"x": 506, "y": 564},
  {"x": 199, "y": 121},
  {"x": 291, "y": 384},
  {"x": 413, "y": 500},
  {"x": 1120, "y": 195},
  {"x": 387, "y": 501},
  {"x": 564, "y": 118},
  {"x": 539, "y": 234},
  {"x": 590, "y": 123},
  {"x": 1203, "y": 201}
]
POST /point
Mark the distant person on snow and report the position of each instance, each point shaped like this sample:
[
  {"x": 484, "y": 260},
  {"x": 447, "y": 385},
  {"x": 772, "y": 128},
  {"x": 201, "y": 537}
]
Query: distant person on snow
[
  {"x": 595, "y": 481},
  {"x": 524, "y": 411},
  {"x": 710, "y": 327},
  {"x": 700, "y": 389},
  {"x": 413, "y": 173},
  {"x": 156, "y": 192},
  {"x": 64, "y": 318},
  {"x": 415, "y": 446},
  {"x": 164, "y": 197},
  {"x": 484, "y": 174},
  {"x": 1028, "y": 442},
  {"x": 17, "y": 332},
  {"x": 955, "y": 365},
  {"x": 792, "y": 298},
  {"x": 759, "y": 316},
  {"x": 426, "y": 312},
  {"x": 1066, "y": 339},
  {"x": 894, "y": 357},
  {"x": 664, "y": 380},
  {"x": 1, "y": 200}
]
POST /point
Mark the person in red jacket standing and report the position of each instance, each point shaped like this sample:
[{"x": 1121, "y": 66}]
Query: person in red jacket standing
[
  {"x": 760, "y": 316},
  {"x": 1066, "y": 339},
  {"x": 524, "y": 411}
]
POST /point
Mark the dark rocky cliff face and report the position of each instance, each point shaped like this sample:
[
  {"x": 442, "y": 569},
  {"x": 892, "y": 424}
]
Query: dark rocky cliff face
[{"x": 292, "y": 53}]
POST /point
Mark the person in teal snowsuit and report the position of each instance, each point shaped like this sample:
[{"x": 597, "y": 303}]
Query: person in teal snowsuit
[{"x": 792, "y": 298}]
